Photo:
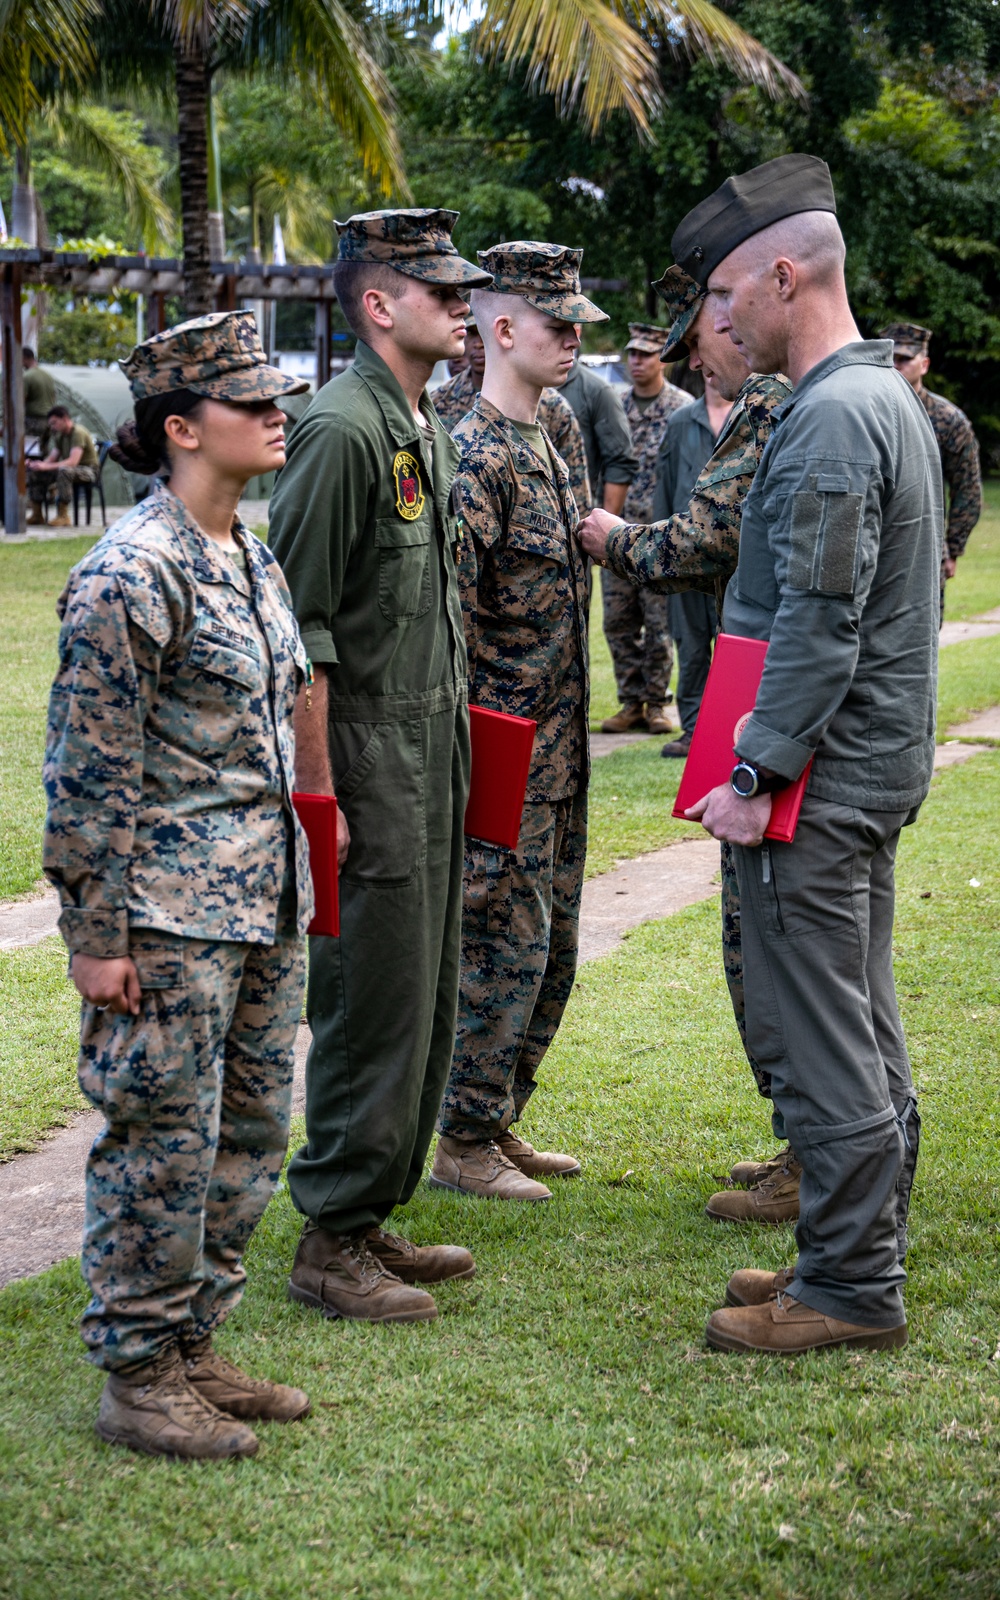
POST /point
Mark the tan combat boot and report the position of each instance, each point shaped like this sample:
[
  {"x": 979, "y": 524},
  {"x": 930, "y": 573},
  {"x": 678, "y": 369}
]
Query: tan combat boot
[
  {"x": 338, "y": 1275},
  {"x": 662, "y": 719},
  {"x": 630, "y": 719},
  {"x": 420, "y": 1263},
  {"x": 747, "y": 1174},
  {"x": 61, "y": 518},
  {"x": 536, "y": 1163},
  {"x": 35, "y": 517},
  {"x": 679, "y": 748},
  {"x": 752, "y": 1287},
  {"x": 775, "y": 1200},
  {"x": 232, "y": 1391},
  {"x": 786, "y": 1327},
  {"x": 153, "y": 1408},
  {"x": 483, "y": 1170}
]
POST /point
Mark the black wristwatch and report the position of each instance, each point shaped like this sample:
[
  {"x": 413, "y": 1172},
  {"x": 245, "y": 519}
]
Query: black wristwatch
[{"x": 748, "y": 781}]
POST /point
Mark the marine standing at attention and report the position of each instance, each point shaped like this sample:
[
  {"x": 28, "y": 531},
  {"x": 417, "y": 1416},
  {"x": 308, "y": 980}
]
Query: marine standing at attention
[
  {"x": 185, "y": 889},
  {"x": 840, "y": 550},
  {"x": 455, "y": 399},
  {"x": 524, "y": 597},
  {"x": 957, "y": 442},
  {"x": 361, "y": 520},
  {"x": 636, "y": 621}
]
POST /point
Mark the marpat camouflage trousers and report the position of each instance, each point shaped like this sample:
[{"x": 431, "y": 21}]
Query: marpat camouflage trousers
[
  {"x": 197, "y": 1093},
  {"x": 520, "y": 936},
  {"x": 732, "y": 959},
  {"x": 638, "y": 635}
]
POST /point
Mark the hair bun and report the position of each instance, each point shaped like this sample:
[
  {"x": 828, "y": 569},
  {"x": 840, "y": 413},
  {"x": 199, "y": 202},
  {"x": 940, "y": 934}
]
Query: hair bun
[{"x": 131, "y": 453}]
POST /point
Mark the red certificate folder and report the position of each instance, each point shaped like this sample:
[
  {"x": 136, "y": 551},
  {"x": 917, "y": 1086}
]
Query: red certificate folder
[
  {"x": 733, "y": 680},
  {"x": 501, "y": 757},
  {"x": 318, "y": 816}
]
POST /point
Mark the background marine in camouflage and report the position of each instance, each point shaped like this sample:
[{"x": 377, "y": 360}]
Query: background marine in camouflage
[
  {"x": 524, "y": 599},
  {"x": 956, "y": 441},
  {"x": 636, "y": 621}
]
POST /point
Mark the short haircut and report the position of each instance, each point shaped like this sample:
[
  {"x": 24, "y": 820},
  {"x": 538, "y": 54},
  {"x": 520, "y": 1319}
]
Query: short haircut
[
  {"x": 353, "y": 279},
  {"x": 27, "y": 354},
  {"x": 60, "y": 411}
]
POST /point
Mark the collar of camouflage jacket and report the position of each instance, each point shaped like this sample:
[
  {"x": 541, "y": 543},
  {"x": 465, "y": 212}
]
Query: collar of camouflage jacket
[
  {"x": 525, "y": 459},
  {"x": 209, "y": 564}
]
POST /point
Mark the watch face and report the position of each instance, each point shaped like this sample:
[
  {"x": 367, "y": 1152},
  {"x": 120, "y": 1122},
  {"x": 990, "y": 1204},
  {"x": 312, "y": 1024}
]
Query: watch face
[{"x": 744, "y": 780}]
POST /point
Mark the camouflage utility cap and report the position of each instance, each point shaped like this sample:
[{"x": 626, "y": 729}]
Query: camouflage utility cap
[
  {"x": 219, "y": 356},
  {"x": 683, "y": 298},
  {"x": 908, "y": 337},
  {"x": 415, "y": 242},
  {"x": 645, "y": 337},
  {"x": 547, "y": 276},
  {"x": 744, "y": 205}
]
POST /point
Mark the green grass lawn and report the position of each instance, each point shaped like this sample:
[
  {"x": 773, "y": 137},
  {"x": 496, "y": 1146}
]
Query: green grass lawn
[
  {"x": 561, "y": 1432},
  {"x": 976, "y": 584}
]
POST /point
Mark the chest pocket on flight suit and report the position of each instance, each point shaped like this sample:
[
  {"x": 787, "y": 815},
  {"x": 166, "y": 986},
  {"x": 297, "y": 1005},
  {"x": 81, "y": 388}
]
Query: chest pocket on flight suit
[{"x": 404, "y": 570}]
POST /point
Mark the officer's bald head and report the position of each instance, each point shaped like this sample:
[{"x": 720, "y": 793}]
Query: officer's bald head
[{"x": 781, "y": 294}]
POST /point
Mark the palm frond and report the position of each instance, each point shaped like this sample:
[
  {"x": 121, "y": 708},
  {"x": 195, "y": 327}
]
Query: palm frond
[
  {"x": 327, "y": 51},
  {"x": 39, "y": 39},
  {"x": 108, "y": 140},
  {"x": 698, "y": 28},
  {"x": 580, "y": 51}
]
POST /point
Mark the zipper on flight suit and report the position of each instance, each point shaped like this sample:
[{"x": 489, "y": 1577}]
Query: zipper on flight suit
[{"x": 767, "y": 876}]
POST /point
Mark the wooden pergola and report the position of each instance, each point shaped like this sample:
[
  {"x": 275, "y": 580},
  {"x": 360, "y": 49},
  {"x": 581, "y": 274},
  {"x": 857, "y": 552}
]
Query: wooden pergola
[{"x": 74, "y": 272}]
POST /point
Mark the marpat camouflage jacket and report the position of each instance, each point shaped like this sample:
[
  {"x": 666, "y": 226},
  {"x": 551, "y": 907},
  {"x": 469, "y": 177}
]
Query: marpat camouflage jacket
[
  {"x": 456, "y": 398},
  {"x": 523, "y": 583},
  {"x": 698, "y": 548},
  {"x": 169, "y": 761},
  {"x": 647, "y": 427},
  {"x": 959, "y": 449}
]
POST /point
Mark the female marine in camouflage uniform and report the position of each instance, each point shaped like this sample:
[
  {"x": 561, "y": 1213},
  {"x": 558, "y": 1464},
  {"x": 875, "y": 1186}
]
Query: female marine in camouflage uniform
[{"x": 185, "y": 888}]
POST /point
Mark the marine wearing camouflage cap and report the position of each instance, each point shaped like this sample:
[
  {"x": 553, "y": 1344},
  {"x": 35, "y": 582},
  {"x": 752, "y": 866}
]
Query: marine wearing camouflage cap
[
  {"x": 908, "y": 336},
  {"x": 745, "y": 205},
  {"x": 416, "y": 242},
  {"x": 683, "y": 298},
  {"x": 219, "y": 356},
  {"x": 645, "y": 337},
  {"x": 547, "y": 276}
]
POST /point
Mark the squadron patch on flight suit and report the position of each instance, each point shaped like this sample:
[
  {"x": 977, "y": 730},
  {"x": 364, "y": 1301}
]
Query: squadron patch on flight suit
[{"x": 409, "y": 489}]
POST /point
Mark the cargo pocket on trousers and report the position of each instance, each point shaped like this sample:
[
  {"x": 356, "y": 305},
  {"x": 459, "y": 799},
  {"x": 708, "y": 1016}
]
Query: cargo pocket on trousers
[
  {"x": 131, "y": 1068},
  {"x": 486, "y": 894},
  {"x": 382, "y": 796},
  {"x": 404, "y": 569}
]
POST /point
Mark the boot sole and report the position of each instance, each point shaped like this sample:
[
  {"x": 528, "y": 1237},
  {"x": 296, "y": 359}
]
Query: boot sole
[
  {"x": 333, "y": 1315},
  {"x": 456, "y": 1188},
  {"x": 147, "y": 1448},
  {"x": 543, "y": 1177},
  {"x": 877, "y": 1339}
]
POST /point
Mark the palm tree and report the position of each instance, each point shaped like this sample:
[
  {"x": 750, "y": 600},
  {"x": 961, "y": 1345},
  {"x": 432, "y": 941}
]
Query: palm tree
[
  {"x": 600, "y": 56},
  {"x": 151, "y": 43},
  {"x": 44, "y": 48}
]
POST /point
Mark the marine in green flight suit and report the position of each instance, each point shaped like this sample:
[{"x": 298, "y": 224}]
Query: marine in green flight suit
[{"x": 360, "y": 521}]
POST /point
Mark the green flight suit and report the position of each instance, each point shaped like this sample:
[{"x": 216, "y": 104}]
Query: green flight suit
[{"x": 366, "y": 539}]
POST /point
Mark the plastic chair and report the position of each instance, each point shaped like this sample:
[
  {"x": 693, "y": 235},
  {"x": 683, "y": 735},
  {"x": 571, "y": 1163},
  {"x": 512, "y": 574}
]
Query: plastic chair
[{"x": 87, "y": 489}]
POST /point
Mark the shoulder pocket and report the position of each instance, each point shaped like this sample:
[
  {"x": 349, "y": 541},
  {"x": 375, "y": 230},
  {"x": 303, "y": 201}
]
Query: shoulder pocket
[
  {"x": 825, "y": 537},
  {"x": 219, "y": 657}
]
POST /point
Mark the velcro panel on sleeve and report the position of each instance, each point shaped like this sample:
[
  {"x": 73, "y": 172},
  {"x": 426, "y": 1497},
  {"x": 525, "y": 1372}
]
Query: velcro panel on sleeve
[{"x": 826, "y": 531}]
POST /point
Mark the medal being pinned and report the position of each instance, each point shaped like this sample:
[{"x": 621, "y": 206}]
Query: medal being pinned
[{"x": 409, "y": 489}]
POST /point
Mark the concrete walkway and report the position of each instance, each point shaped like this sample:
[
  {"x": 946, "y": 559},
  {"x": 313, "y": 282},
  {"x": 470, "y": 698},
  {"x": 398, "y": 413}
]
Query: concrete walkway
[{"x": 41, "y": 1194}]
